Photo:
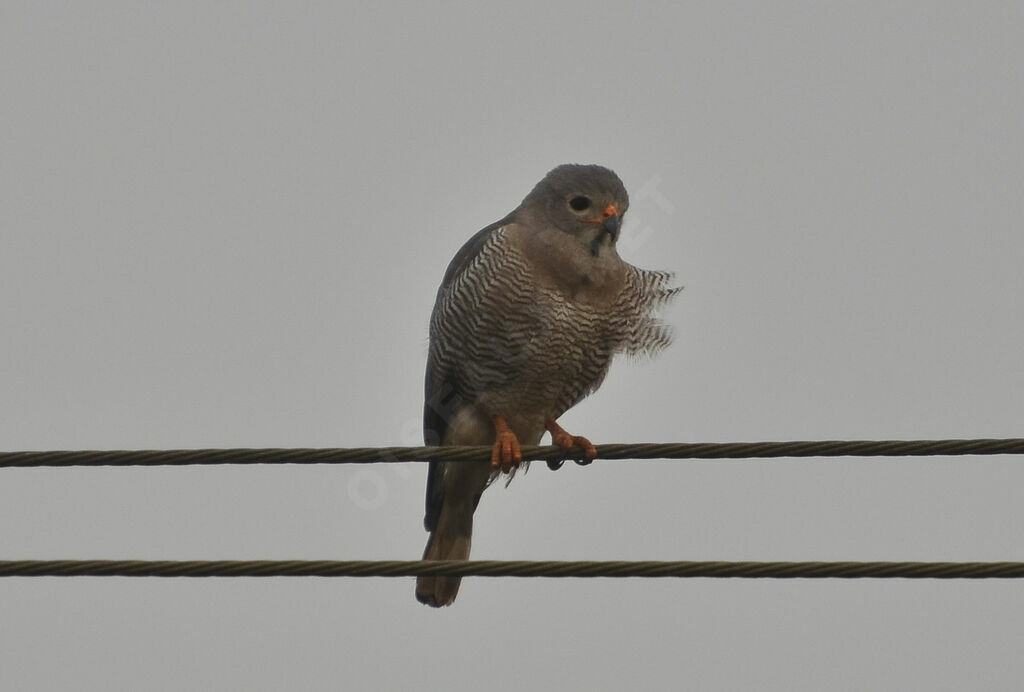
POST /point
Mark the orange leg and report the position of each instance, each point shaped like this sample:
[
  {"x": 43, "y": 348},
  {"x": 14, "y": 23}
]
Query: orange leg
[
  {"x": 506, "y": 452},
  {"x": 566, "y": 441}
]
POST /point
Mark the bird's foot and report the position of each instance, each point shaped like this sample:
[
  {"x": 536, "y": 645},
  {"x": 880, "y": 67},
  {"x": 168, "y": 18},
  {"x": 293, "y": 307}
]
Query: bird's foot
[
  {"x": 506, "y": 453},
  {"x": 566, "y": 441}
]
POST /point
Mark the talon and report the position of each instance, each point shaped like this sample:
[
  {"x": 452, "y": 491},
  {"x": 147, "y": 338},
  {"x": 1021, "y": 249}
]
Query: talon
[
  {"x": 506, "y": 452},
  {"x": 566, "y": 441}
]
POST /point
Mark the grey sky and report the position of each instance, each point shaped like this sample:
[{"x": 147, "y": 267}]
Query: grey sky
[{"x": 224, "y": 226}]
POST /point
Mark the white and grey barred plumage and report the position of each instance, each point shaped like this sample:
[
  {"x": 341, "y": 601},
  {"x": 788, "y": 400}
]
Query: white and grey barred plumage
[
  {"x": 525, "y": 325},
  {"x": 512, "y": 346}
]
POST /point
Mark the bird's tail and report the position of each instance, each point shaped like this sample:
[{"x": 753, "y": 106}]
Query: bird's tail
[{"x": 449, "y": 540}]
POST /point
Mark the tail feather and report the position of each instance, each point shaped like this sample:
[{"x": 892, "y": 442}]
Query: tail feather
[{"x": 450, "y": 540}]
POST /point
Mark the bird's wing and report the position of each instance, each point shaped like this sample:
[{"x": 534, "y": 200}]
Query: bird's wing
[{"x": 442, "y": 391}]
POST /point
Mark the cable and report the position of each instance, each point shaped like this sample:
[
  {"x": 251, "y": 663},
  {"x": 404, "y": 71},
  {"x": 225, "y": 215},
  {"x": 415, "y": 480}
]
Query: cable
[
  {"x": 506, "y": 568},
  {"x": 510, "y": 568},
  {"x": 369, "y": 455}
]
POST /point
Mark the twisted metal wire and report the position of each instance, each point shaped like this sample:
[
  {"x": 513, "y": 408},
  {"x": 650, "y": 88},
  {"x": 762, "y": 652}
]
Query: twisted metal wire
[
  {"x": 370, "y": 455},
  {"x": 510, "y": 568},
  {"x": 506, "y": 568}
]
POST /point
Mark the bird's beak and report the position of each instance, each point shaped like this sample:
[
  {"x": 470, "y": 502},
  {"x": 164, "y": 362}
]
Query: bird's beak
[{"x": 611, "y": 224}]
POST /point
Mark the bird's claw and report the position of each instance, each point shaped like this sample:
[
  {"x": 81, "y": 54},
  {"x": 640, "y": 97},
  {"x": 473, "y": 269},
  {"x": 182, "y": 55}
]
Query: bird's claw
[
  {"x": 506, "y": 453},
  {"x": 566, "y": 441}
]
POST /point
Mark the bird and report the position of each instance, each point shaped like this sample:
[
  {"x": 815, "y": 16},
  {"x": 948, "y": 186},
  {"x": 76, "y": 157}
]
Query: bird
[{"x": 527, "y": 319}]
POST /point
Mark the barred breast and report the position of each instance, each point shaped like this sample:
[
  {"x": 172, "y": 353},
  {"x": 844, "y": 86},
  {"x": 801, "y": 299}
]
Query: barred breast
[{"x": 515, "y": 347}]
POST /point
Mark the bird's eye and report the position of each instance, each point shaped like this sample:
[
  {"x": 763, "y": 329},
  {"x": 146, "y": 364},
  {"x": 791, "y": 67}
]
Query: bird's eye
[{"x": 579, "y": 203}]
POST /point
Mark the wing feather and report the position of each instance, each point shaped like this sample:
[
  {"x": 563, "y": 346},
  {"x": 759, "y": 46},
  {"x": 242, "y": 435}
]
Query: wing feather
[{"x": 442, "y": 397}]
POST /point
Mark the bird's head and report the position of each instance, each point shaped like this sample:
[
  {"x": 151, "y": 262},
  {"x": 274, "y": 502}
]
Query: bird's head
[{"x": 585, "y": 201}]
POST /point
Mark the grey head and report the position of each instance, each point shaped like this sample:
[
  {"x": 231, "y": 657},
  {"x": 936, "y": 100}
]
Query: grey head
[{"x": 586, "y": 201}]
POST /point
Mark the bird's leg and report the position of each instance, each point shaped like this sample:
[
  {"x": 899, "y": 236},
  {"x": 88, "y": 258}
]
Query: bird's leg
[
  {"x": 506, "y": 452},
  {"x": 566, "y": 441}
]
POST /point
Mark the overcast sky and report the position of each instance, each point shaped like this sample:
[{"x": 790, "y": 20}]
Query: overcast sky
[{"x": 224, "y": 226}]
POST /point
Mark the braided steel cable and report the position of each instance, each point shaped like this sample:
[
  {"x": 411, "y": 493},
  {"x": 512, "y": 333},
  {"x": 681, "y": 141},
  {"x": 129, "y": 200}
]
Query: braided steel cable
[
  {"x": 510, "y": 568},
  {"x": 370, "y": 455},
  {"x": 505, "y": 568}
]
